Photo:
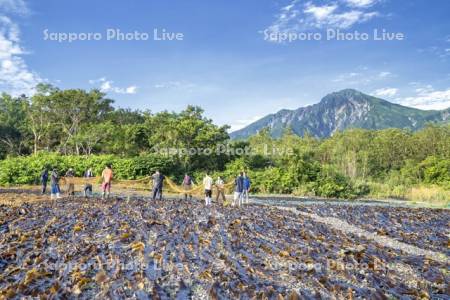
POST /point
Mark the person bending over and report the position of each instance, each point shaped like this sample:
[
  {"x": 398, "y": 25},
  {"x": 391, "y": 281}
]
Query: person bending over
[{"x": 87, "y": 190}]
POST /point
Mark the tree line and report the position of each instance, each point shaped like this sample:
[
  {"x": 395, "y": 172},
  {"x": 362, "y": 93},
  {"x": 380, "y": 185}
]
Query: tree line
[
  {"x": 79, "y": 122},
  {"x": 74, "y": 123}
]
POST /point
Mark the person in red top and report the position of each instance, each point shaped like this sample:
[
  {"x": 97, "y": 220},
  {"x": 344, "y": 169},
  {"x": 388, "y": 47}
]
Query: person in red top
[{"x": 107, "y": 176}]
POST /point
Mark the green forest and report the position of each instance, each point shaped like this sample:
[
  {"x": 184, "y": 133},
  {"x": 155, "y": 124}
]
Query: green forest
[{"x": 80, "y": 129}]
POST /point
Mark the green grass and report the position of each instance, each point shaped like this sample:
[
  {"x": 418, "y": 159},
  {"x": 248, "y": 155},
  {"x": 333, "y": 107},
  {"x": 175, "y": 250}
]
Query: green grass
[{"x": 431, "y": 195}]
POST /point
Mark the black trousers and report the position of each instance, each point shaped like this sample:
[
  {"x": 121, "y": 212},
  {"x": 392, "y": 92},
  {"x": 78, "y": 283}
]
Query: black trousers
[
  {"x": 157, "y": 193},
  {"x": 44, "y": 187},
  {"x": 88, "y": 190}
]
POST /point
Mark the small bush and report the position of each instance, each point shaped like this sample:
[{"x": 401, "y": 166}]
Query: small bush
[{"x": 436, "y": 171}]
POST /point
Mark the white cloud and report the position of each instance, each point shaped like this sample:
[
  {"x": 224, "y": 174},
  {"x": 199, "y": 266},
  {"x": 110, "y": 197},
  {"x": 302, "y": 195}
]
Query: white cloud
[
  {"x": 360, "y": 3},
  {"x": 107, "y": 86},
  {"x": 320, "y": 13},
  {"x": 348, "y": 19},
  {"x": 347, "y": 76},
  {"x": 386, "y": 92},
  {"x": 326, "y": 16},
  {"x": 287, "y": 20},
  {"x": 174, "y": 85},
  {"x": 15, "y": 76},
  {"x": 384, "y": 74},
  {"x": 424, "y": 89},
  {"x": 131, "y": 89},
  {"x": 239, "y": 124},
  {"x": 299, "y": 16},
  {"x": 362, "y": 76},
  {"x": 428, "y": 98},
  {"x": 441, "y": 51},
  {"x": 14, "y": 6}
]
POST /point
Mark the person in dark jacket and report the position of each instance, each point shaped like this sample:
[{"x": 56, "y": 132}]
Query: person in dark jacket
[
  {"x": 44, "y": 180},
  {"x": 246, "y": 190},
  {"x": 54, "y": 182},
  {"x": 158, "y": 183},
  {"x": 238, "y": 189}
]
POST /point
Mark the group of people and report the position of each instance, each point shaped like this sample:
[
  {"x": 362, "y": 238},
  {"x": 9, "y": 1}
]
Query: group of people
[
  {"x": 242, "y": 185},
  {"x": 55, "y": 193},
  {"x": 54, "y": 183}
]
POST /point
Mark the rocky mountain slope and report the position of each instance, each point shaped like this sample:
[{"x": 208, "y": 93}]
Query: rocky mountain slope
[{"x": 341, "y": 110}]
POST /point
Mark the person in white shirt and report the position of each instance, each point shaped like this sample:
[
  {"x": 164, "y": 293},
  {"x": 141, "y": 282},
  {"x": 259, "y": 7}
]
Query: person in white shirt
[{"x": 208, "y": 183}]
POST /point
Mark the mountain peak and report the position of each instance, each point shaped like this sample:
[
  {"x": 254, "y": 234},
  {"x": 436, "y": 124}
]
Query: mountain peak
[
  {"x": 345, "y": 96},
  {"x": 347, "y": 108},
  {"x": 348, "y": 92}
]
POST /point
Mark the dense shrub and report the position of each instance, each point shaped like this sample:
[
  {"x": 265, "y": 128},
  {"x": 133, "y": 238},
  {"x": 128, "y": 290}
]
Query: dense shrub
[
  {"x": 436, "y": 171},
  {"x": 27, "y": 170},
  {"x": 332, "y": 184},
  {"x": 298, "y": 177}
]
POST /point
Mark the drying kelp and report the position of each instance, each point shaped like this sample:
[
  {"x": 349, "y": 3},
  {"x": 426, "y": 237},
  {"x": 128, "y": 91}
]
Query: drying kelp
[
  {"x": 423, "y": 227},
  {"x": 170, "y": 249}
]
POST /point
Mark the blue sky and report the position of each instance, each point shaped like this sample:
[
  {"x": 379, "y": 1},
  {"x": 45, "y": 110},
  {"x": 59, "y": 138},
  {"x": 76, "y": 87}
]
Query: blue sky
[{"x": 224, "y": 63}]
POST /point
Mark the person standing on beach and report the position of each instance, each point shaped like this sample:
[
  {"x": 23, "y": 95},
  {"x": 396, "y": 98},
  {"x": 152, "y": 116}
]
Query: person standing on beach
[
  {"x": 87, "y": 190},
  {"x": 54, "y": 182},
  {"x": 220, "y": 185},
  {"x": 89, "y": 173},
  {"x": 158, "y": 184},
  {"x": 71, "y": 186},
  {"x": 107, "y": 176},
  {"x": 44, "y": 180},
  {"x": 238, "y": 189},
  {"x": 208, "y": 183},
  {"x": 187, "y": 186},
  {"x": 246, "y": 190}
]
